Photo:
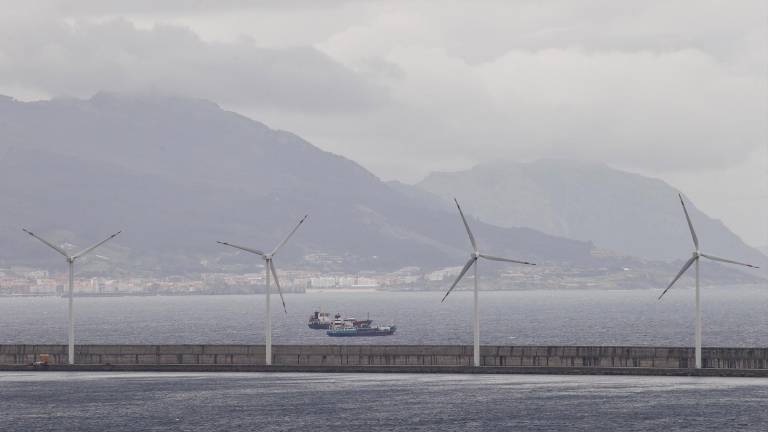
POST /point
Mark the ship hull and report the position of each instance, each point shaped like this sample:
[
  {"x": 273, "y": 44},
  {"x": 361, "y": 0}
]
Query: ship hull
[
  {"x": 327, "y": 325},
  {"x": 319, "y": 326},
  {"x": 361, "y": 332}
]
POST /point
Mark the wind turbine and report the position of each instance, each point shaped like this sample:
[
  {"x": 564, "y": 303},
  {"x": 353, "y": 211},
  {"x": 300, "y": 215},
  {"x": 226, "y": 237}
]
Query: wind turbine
[
  {"x": 269, "y": 267},
  {"x": 71, "y": 261},
  {"x": 473, "y": 259},
  {"x": 695, "y": 260}
]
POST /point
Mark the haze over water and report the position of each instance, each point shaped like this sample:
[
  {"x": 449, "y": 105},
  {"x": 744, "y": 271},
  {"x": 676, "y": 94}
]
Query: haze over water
[{"x": 733, "y": 317}]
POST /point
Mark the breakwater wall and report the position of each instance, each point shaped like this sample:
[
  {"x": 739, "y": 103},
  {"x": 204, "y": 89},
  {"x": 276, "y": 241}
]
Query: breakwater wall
[{"x": 392, "y": 355}]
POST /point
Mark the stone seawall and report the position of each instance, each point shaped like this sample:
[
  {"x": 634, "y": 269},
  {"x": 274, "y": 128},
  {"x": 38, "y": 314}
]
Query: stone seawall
[{"x": 392, "y": 355}]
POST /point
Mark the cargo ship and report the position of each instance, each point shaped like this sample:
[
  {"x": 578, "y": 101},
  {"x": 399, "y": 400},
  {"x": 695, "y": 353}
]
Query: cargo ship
[
  {"x": 347, "y": 328},
  {"x": 322, "y": 321}
]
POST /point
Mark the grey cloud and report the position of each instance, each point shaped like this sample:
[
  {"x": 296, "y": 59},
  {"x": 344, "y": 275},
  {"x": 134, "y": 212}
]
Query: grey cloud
[
  {"x": 492, "y": 28},
  {"x": 80, "y": 60},
  {"x": 658, "y": 86},
  {"x": 111, "y": 7}
]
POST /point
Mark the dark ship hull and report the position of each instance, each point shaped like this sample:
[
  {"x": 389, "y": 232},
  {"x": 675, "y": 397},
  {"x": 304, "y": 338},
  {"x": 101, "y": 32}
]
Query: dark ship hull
[
  {"x": 362, "y": 331},
  {"x": 319, "y": 325}
]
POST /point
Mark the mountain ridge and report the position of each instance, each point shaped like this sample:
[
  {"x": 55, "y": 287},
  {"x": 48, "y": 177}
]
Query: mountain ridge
[
  {"x": 619, "y": 211},
  {"x": 178, "y": 174}
]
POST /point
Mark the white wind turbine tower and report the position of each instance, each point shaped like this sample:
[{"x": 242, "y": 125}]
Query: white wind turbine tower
[
  {"x": 695, "y": 259},
  {"x": 473, "y": 258},
  {"x": 269, "y": 267},
  {"x": 71, "y": 261}
]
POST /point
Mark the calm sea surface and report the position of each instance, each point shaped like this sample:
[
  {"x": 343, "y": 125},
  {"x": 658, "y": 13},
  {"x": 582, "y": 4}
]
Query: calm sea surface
[
  {"x": 736, "y": 316},
  {"x": 388, "y": 402},
  {"x": 376, "y": 402}
]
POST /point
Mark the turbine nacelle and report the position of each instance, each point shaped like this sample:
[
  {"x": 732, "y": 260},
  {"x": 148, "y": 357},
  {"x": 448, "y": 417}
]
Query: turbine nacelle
[
  {"x": 269, "y": 268},
  {"x": 695, "y": 259},
  {"x": 70, "y": 258},
  {"x": 267, "y": 257},
  {"x": 697, "y": 254},
  {"x": 475, "y": 255},
  {"x": 71, "y": 261}
]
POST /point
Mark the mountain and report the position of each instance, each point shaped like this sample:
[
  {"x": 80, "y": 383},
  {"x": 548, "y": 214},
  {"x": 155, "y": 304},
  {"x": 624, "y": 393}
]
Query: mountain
[
  {"x": 619, "y": 211},
  {"x": 176, "y": 174}
]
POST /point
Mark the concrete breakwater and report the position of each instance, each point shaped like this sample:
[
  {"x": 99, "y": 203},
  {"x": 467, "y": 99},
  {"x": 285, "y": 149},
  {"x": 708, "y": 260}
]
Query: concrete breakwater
[{"x": 339, "y": 356}]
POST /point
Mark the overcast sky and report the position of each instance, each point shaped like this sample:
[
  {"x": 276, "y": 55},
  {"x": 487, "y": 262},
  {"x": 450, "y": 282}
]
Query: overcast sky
[{"x": 672, "y": 89}]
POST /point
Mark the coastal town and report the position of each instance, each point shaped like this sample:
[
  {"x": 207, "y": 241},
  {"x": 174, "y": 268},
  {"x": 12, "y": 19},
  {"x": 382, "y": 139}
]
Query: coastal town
[
  {"x": 19, "y": 281},
  {"x": 26, "y": 281}
]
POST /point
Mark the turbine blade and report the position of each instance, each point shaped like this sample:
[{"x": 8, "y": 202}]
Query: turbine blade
[
  {"x": 466, "y": 225},
  {"x": 49, "y": 244},
  {"x": 253, "y": 251},
  {"x": 686, "y": 266},
  {"x": 277, "y": 283},
  {"x": 714, "y": 258},
  {"x": 85, "y": 251},
  {"x": 690, "y": 225},
  {"x": 463, "y": 271},
  {"x": 285, "y": 240},
  {"x": 505, "y": 259}
]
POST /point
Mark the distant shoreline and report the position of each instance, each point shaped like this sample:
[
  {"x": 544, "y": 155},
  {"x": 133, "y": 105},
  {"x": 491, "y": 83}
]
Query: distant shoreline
[{"x": 373, "y": 291}]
